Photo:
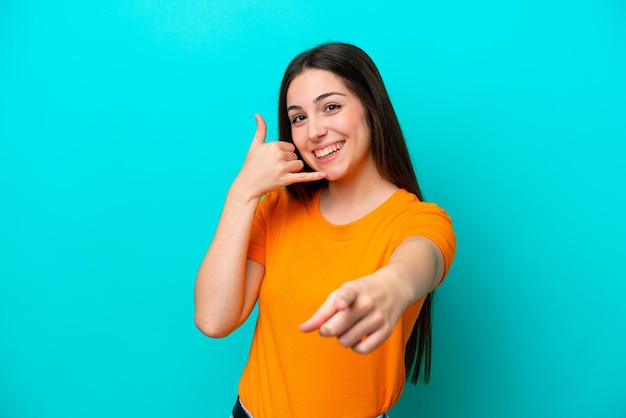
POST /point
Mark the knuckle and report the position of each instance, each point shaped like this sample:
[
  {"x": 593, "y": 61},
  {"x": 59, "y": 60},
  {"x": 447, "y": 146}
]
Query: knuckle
[
  {"x": 326, "y": 330},
  {"x": 377, "y": 319},
  {"x": 367, "y": 303}
]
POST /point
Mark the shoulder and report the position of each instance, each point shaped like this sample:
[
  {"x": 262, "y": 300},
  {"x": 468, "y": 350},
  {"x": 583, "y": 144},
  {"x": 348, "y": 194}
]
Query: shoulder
[
  {"x": 415, "y": 217},
  {"x": 426, "y": 219},
  {"x": 279, "y": 202},
  {"x": 407, "y": 205}
]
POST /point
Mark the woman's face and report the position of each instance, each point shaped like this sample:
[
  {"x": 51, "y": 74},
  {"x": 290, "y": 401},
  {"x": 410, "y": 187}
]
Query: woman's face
[{"x": 329, "y": 125}]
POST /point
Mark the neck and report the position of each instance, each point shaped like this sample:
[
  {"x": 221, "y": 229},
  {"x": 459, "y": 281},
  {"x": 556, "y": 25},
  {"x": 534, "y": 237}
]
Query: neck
[{"x": 349, "y": 199}]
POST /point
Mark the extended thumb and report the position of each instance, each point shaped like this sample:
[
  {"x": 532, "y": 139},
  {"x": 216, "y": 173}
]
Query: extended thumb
[{"x": 261, "y": 130}]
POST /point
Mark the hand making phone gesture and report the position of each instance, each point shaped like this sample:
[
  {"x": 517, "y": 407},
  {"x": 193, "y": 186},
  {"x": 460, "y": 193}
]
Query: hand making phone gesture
[{"x": 270, "y": 165}]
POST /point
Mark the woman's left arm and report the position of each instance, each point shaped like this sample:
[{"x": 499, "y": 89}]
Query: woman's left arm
[{"x": 362, "y": 313}]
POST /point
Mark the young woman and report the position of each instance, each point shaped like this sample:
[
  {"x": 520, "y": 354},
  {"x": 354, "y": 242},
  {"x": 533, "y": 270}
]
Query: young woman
[{"x": 341, "y": 244}]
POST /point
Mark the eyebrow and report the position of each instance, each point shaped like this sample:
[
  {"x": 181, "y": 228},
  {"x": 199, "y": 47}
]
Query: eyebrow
[{"x": 317, "y": 99}]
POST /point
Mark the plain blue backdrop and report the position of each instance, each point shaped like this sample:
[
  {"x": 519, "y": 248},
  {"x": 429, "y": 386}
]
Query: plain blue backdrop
[{"x": 122, "y": 124}]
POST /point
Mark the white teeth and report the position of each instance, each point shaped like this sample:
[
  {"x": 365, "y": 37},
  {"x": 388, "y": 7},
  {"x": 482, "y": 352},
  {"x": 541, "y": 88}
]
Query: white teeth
[{"x": 328, "y": 150}]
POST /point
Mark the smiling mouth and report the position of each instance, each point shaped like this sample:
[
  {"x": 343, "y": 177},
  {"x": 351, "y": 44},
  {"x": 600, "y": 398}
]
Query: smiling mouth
[{"x": 328, "y": 151}]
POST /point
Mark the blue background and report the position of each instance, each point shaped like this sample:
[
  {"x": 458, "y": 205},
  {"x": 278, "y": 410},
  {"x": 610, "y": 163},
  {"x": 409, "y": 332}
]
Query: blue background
[{"x": 122, "y": 124}]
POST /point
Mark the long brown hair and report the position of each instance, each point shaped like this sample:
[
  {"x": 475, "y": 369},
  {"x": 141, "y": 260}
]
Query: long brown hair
[{"x": 389, "y": 152}]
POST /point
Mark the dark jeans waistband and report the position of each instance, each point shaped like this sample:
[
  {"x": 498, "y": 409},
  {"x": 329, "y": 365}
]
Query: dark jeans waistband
[{"x": 240, "y": 412}]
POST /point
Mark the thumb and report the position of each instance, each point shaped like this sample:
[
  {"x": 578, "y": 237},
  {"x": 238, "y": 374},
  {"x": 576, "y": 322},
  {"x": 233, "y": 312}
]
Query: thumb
[{"x": 261, "y": 130}]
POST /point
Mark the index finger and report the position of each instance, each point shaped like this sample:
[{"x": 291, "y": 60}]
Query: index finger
[
  {"x": 336, "y": 302},
  {"x": 323, "y": 314}
]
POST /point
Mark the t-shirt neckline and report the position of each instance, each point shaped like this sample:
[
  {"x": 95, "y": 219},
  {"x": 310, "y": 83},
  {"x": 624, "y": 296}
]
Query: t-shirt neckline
[{"x": 351, "y": 229}]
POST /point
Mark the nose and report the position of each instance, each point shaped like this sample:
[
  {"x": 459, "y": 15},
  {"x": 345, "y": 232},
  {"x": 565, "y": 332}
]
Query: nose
[{"x": 315, "y": 129}]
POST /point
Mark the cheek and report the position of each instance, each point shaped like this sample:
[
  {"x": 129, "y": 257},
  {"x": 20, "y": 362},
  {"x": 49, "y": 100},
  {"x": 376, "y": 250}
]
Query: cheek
[
  {"x": 302, "y": 152},
  {"x": 305, "y": 156},
  {"x": 298, "y": 139}
]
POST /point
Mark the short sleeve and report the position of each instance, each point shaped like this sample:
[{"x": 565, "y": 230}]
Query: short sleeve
[{"x": 430, "y": 221}]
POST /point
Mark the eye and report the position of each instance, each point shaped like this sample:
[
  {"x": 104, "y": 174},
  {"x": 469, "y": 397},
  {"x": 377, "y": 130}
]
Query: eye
[
  {"x": 332, "y": 107},
  {"x": 297, "y": 118}
]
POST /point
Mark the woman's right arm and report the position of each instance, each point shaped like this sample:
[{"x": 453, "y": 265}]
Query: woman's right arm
[{"x": 227, "y": 283}]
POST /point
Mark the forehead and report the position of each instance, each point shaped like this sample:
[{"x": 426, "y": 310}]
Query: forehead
[{"x": 311, "y": 83}]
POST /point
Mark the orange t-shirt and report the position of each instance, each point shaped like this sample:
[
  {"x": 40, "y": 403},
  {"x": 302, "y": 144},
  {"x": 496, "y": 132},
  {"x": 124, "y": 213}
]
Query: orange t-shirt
[{"x": 298, "y": 375}]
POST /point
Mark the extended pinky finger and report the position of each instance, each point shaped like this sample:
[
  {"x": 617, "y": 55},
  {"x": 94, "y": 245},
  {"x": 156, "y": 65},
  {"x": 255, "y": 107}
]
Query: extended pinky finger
[{"x": 305, "y": 177}]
